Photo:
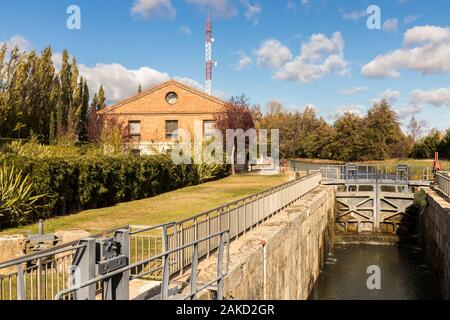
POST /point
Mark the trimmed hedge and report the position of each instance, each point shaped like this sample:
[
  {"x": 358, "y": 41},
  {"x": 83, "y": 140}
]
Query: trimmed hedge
[{"x": 89, "y": 182}]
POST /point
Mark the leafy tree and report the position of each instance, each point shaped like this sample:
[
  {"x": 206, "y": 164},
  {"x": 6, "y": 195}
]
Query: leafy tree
[
  {"x": 415, "y": 129},
  {"x": 444, "y": 146},
  {"x": 348, "y": 143},
  {"x": 236, "y": 114},
  {"x": 35, "y": 100},
  {"x": 382, "y": 132},
  {"x": 427, "y": 146}
]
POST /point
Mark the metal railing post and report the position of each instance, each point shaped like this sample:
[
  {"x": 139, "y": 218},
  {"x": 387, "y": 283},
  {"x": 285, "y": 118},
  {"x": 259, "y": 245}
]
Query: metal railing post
[
  {"x": 83, "y": 269},
  {"x": 166, "y": 266},
  {"x": 21, "y": 291},
  {"x": 194, "y": 269},
  {"x": 118, "y": 286},
  {"x": 208, "y": 227},
  {"x": 182, "y": 251},
  {"x": 39, "y": 279},
  {"x": 220, "y": 280}
]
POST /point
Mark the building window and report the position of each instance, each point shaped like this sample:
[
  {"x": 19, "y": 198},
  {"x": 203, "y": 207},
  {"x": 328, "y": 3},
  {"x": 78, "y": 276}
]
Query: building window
[
  {"x": 171, "y": 129},
  {"x": 134, "y": 128},
  {"x": 172, "y": 98},
  {"x": 209, "y": 128}
]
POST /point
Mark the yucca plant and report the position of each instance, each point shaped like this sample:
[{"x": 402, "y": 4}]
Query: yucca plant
[
  {"x": 209, "y": 169},
  {"x": 31, "y": 149},
  {"x": 18, "y": 199}
]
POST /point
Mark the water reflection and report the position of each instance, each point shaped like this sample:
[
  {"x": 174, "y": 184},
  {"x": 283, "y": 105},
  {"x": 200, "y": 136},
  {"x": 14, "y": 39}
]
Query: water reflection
[{"x": 404, "y": 274}]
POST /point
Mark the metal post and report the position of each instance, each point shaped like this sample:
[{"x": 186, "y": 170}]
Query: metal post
[
  {"x": 182, "y": 251},
  {"x": 118, "y": 286},
  {"x": 21, "y": 292},
  {"x": 39, "y": 279},
  {"x": 41, "y": 227},
  {"x": 194, "y": 271},
  {"x": 83, "y": 269},
  {"x": 208, "y": 226},
  {"x": 220, "y": 269},
  {"x": 166, "y": 266}
]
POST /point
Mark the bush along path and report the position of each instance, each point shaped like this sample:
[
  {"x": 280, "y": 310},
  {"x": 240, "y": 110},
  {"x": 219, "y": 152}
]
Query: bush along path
[{"x": 69, "y": 185}]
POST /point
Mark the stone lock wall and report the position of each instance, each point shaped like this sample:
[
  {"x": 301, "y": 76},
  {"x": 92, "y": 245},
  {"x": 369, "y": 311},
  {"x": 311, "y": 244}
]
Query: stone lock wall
[
  {"x": 436, "y": 238},
  {"x": 281, "y": 259}
]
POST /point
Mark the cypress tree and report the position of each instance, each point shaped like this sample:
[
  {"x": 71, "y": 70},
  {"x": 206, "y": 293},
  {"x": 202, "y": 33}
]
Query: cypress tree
[
  {"x": 65, "y": 77},
  {"x": 52, "y": 129},
  {"x": 101, "y": 98}
]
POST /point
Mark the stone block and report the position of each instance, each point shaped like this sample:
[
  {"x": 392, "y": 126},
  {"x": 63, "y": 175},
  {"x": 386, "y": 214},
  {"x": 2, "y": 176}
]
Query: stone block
[
  {"x": 67, "y": 236},
  {"x": 11, "y": 247}
]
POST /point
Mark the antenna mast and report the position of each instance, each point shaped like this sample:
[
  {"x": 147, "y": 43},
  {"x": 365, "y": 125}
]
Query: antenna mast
[{"x": 209, "y": 62}]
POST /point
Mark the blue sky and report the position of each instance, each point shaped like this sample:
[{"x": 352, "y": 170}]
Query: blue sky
[{"x": 299, "y": 52}]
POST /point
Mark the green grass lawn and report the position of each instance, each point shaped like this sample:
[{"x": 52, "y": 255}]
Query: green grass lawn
[
  {"x": 412, "y": 162},
  {"x": 172, "y": 206}
]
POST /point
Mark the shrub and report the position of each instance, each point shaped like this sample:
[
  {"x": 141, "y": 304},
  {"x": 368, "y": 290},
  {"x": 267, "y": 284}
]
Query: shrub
[
  {"x": 88, "y": 182},
  {"x": 18, "y": 200}
]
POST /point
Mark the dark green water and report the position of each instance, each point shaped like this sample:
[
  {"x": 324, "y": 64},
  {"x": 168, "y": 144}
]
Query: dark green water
[{"x": 404, "y": 274}]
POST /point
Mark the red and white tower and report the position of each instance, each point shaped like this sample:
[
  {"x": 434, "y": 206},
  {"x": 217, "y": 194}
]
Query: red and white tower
[{"x": 209, "y": 62}]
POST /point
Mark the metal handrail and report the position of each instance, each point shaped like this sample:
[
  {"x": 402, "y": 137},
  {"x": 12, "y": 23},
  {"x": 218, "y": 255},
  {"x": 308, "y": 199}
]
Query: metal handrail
[
  {"x": 270, "y": 190},
  {"x": 38, "y": 256},
  {"x": 159, "y": 226},
  {"x": 443, "y": 182},
  {"x": 49, "y": 252},
  {"x": 165, "y": 254}
]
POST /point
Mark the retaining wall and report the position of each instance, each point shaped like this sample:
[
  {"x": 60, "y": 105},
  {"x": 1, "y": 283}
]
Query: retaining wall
[
  {"x": 436, "y": 238},
  {"x": 281, "y": 259}
]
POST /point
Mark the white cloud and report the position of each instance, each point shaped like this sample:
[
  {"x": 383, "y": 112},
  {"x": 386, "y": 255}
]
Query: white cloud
[
  {"x": 318, "y": 57},
  {"x": 390, "y": 25},
  {"x": 438, "y": 97},
  {"x": 409, "y": 111},
  {"x": 427, "y": 34},
  {"x": 252, "y": 11},
  {"x": 148, "y": 8},
  {"x": 17, "y": 41},
  {"x": 352, "y": 91},
  {"x": 190, "y": 82},
  {"x": 355, "y": 109},
  {"x": 411, "y": 18},
  {"x": 185, "y": 30},
  {"x": 220, "y": 8},
  {"x": 417, "y": 98},
  {"x": 120, "y": 83},
  {"x": 272, "y": 53},
  {"x": 391, "y": 96},
  {"x": 426, "y": 49},
  {"x": 244, "y": 61}
]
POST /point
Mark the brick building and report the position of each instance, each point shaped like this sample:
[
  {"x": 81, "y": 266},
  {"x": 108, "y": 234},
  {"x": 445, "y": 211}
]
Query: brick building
[{"x": 153, "y": 116}]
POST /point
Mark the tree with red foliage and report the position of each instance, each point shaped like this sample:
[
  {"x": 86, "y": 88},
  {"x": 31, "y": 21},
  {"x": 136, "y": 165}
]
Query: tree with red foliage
[{"x": 235, "y": 114}]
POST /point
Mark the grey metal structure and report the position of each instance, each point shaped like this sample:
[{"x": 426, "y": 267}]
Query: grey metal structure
[
  {"x": 103, "y": 266},
  {"x": 369, "y": 199},
  {"x": 443, "y": 182}
]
